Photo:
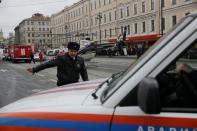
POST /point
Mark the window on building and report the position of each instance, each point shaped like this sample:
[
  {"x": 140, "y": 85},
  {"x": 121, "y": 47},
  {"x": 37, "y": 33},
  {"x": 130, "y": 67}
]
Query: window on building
[
  {"x": 105, "y": 33},
  {"x": 135, "y": 28},
  {"x": 152, "y": 4},
  {"x": 39, "y": 29},
  {"x": 28, "y": 29},
  {"x": 121, "y": 13},
  {"x": 174, "y": 21},
  {"x": 87, "y": 8},
  {"x": 32, "y": 23},
  {"x": 43, "y": 23},
  {"x": 152, "y": 25},
  {"x": 96, "y": 34},
  {"x": 96, "y": 20},
  {"x": 95, "y": 4},
  {"x": 28, "y": 35},
  {"x": 90, "y": 7},
  {"x": 122, "y": 29},
  {"x": 115, "y": 15},
  {"x": 43, "y": 29},
  {"x": 128, "y": 11},
  {"x": 32, "y": 29},
  {"x": 135, "y": 9},
  {"x": 91, "y": 22},
  {"x": 109, "y": 1},
  {"x": 105, "y": 18},
  {"x": 128, "y": 30},
  {"x": 82, "y": 11},
  {"x": 99, "y": 3},
  {"x": 143, "y": 6},
  {"x": 110, "y": 16},
  {"x": 87, "y": 23},
  {"x": 104, "y": 2},
  {"x": 110, "y": 32},
  {"x": 33, "y": 35},
  {"x": 173, "y": 2},
  {"x": 163, "y": 23},
  {"x": 143, "y": 27},
  {"x": 162, "y": 3},
  {"x": 29, "y": 41}
]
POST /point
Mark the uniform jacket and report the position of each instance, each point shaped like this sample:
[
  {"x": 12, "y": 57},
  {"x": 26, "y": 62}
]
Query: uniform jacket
[{"x": 68, "y": 69}]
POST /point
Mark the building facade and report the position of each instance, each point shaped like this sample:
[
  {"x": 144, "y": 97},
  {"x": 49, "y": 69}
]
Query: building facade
[
  {"x": 104, "y": 20},
  {"x": 36, "y": 30}
]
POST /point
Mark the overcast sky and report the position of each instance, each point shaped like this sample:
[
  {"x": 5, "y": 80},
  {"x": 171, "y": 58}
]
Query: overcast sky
[{"x": 12, "y": 12}]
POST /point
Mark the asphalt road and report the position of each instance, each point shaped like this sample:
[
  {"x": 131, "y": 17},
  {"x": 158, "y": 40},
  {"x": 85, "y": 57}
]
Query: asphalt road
[{"x": 16, "y": 82}]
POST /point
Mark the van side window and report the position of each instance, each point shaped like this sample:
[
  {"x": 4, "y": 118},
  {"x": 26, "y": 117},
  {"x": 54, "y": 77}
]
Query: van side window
[{"x": 178, "y": 88}]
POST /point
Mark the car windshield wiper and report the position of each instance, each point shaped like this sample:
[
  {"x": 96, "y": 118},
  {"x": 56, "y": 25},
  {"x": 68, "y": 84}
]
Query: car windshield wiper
[{"x": 108, "y": 81}]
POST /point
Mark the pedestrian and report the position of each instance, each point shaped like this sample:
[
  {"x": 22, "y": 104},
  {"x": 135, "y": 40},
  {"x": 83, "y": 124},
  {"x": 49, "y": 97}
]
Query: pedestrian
[
  {"x": 69, "y": 66},
  {"x": 41, "y": 56},
  {"x": 32, "y": 57}
]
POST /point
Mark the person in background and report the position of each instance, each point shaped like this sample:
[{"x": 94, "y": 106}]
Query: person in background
[
  {"x": 32, "y": 57},
  {"x": 69, "y": 66},
  {"x": 41, "y": 56}
]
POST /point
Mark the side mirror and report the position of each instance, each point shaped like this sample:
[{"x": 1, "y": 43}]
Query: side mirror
[{"x": 148, "y": 96}]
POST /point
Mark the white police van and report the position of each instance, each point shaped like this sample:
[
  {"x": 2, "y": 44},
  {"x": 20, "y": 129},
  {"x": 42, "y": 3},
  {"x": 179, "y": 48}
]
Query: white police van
[{"x": 148, "y": 96}]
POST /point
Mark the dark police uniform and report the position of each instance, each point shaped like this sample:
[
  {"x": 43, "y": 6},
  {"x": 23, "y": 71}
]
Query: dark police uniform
[{"x": 68, "y": 69}]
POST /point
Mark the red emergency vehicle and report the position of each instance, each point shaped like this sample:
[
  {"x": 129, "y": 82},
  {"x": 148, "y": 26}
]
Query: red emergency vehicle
[{"x": 19, "y": 52}]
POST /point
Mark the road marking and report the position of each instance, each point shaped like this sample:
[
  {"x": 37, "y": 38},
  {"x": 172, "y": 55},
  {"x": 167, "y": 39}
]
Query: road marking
[
  {"x": 53, "y": 80},
  {"x": 38, "y": 74},
  {"x": 3, "y": 70}
]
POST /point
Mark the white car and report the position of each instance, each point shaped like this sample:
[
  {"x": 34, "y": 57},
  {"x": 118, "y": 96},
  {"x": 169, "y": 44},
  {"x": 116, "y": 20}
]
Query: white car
[
  {"x": 37, "y": 58},
  {"x": 148, "y": 96}
]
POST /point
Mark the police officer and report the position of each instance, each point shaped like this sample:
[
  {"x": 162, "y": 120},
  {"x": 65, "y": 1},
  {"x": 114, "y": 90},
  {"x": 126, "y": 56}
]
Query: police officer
[{"x": 69, "y": 66}]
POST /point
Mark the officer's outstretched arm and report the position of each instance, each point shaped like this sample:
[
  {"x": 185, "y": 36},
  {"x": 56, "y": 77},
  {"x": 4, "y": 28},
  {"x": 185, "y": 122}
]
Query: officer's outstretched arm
[{"x": 48, "y": 64}]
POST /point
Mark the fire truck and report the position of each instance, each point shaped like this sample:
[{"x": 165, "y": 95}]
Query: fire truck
[{"x": 18, "y": 52}]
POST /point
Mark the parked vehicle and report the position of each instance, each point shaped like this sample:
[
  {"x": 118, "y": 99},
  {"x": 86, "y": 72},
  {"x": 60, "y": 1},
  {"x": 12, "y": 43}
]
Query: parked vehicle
[
  {"x": 102, "y": 49},
  {"x": 37, "y": 58},
  {"x": 53, "y": 52},
  {"x": 148, "y": 96}
]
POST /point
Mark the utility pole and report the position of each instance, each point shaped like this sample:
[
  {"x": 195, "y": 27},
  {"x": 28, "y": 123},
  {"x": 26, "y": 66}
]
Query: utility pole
[
  {"x": 99, "y": 17},
  {"x": 161, "y": 4}
]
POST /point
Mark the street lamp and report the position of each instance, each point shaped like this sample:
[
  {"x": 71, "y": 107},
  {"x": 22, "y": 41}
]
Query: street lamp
[
  {"x": 99, "y": 17},
  {"x": 51, "y": 38}
]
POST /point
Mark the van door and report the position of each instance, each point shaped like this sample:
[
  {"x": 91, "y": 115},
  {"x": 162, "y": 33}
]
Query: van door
[
  {"x": 176, "y": 98},
  {"x": 133, "y": 119}
]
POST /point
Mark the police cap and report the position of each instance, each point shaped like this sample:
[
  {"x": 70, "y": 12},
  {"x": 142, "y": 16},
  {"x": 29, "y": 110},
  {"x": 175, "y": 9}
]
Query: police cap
[{"x": 73, "y": 45}]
